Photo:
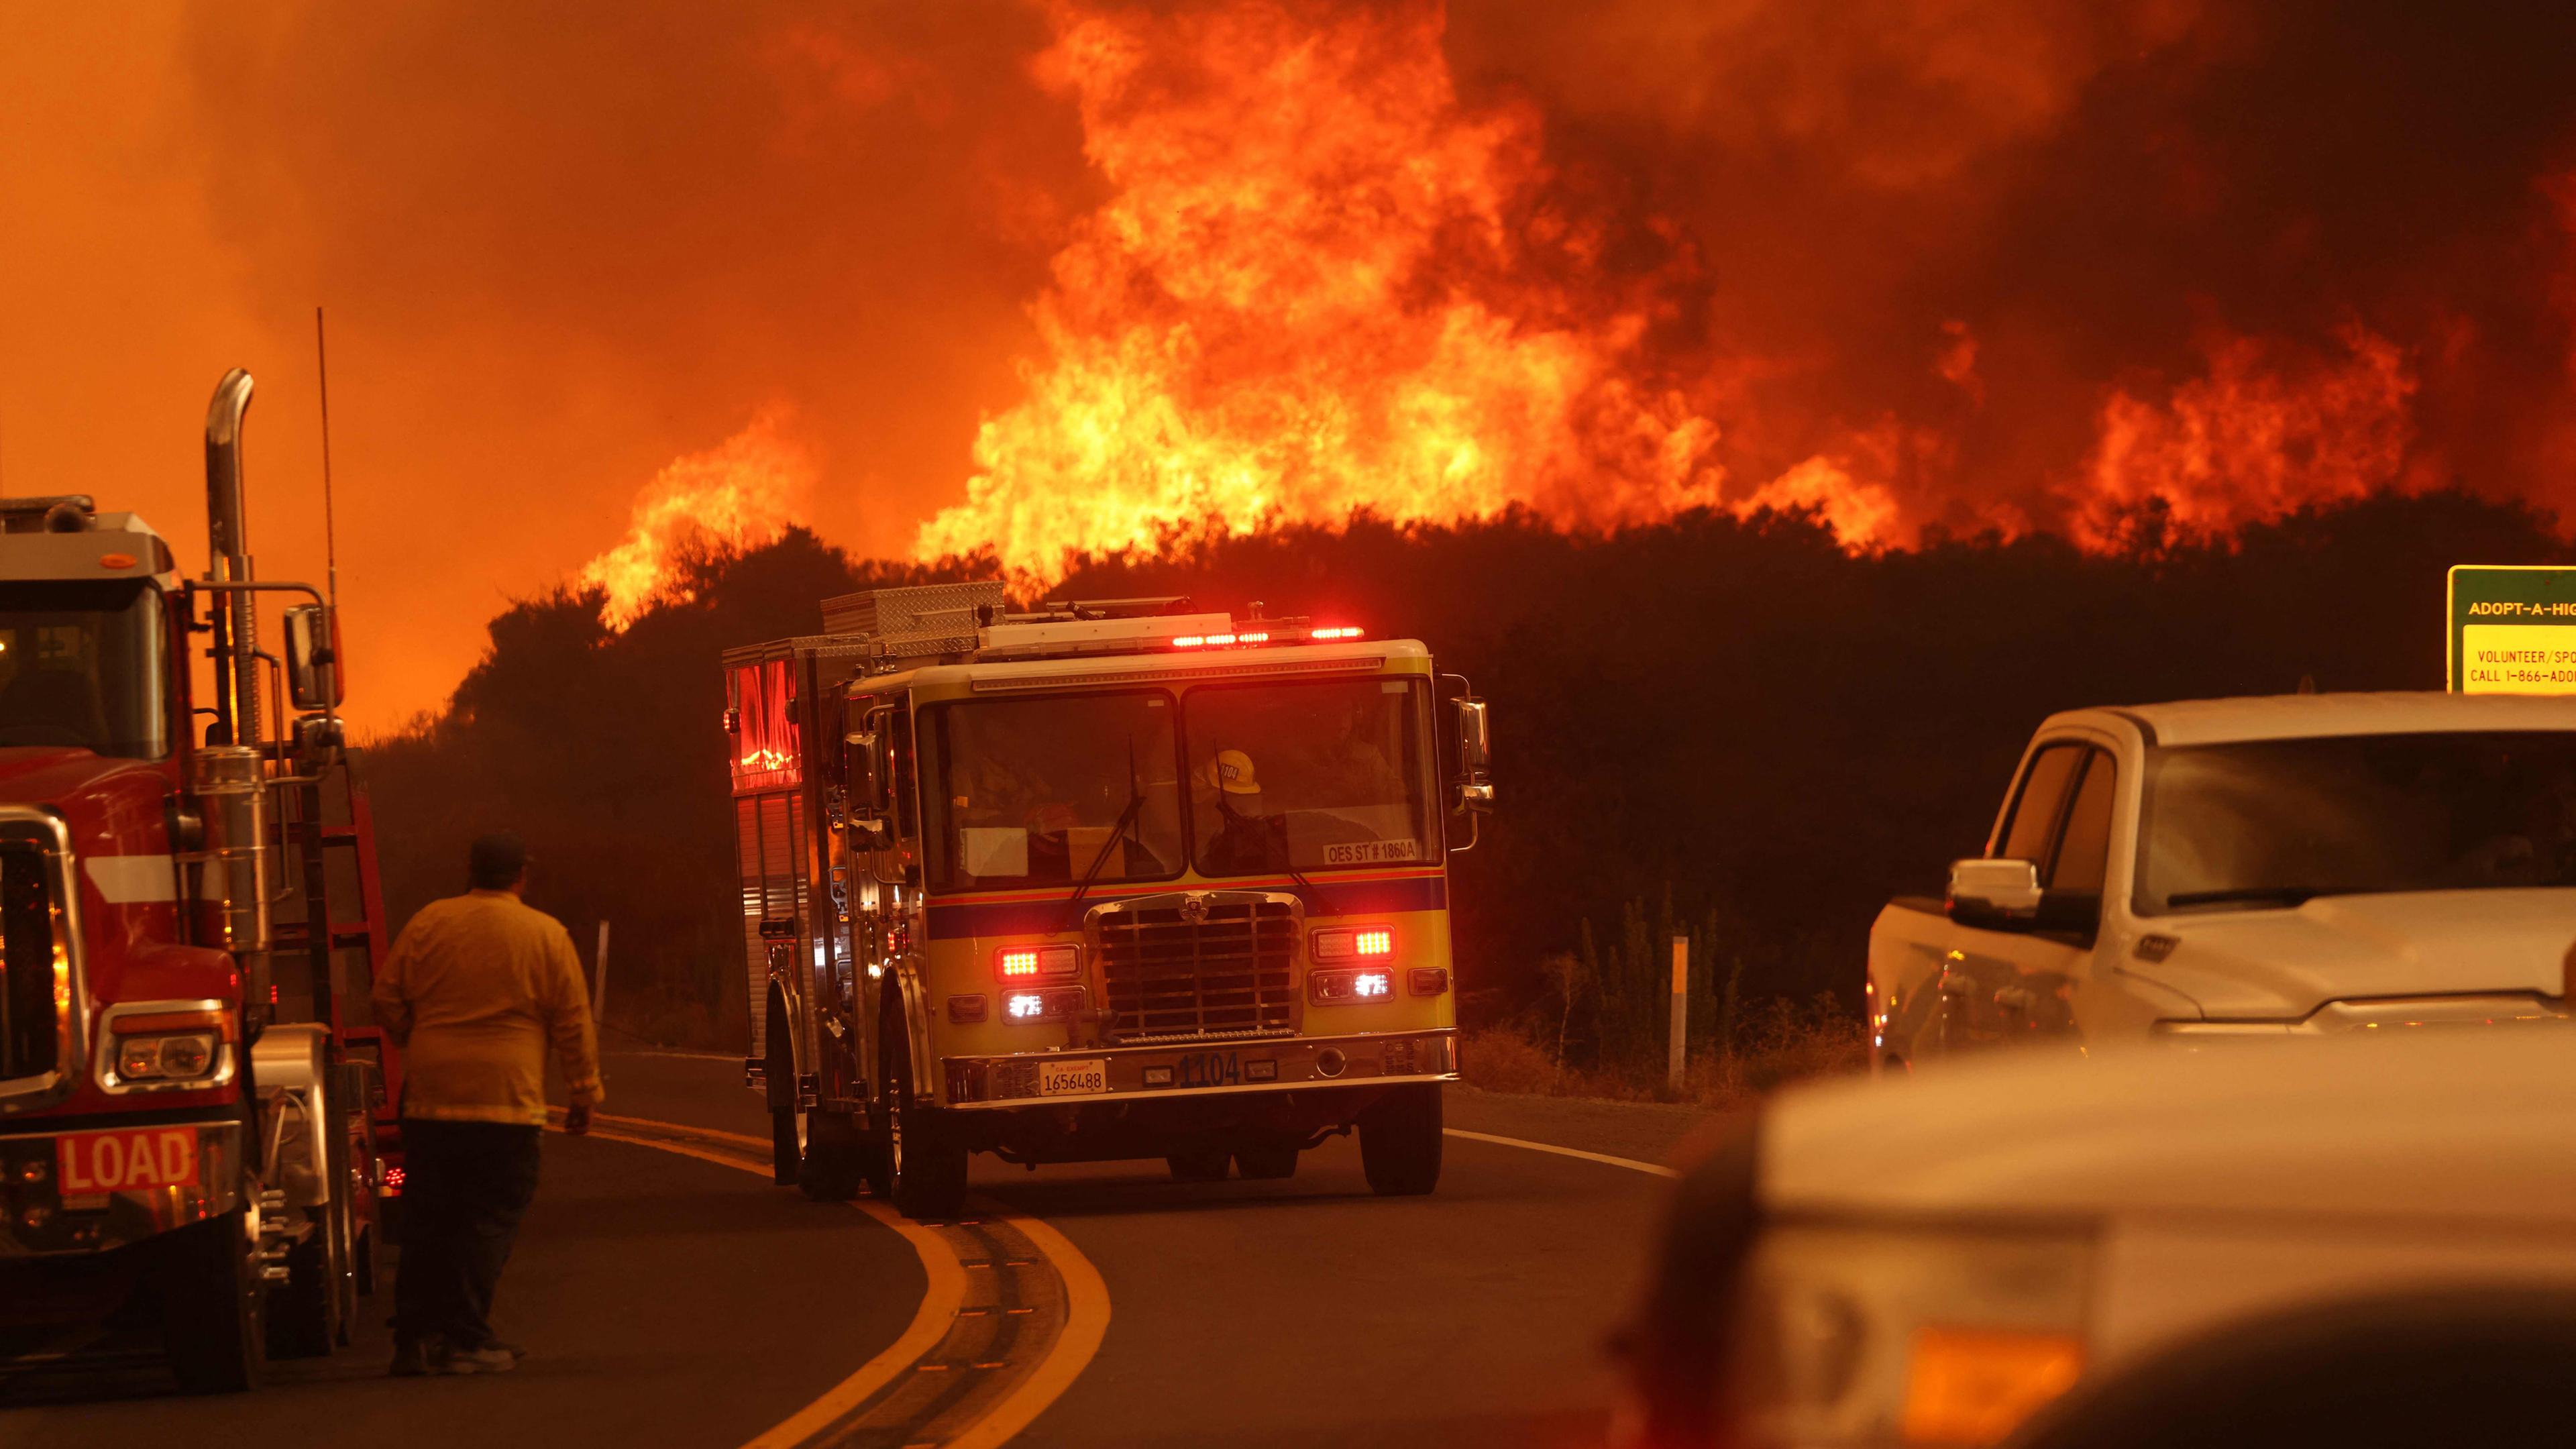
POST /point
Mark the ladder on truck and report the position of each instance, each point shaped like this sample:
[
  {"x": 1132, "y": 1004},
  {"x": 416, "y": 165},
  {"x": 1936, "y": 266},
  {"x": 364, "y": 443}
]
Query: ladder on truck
[{"x": 327, "y": 830}]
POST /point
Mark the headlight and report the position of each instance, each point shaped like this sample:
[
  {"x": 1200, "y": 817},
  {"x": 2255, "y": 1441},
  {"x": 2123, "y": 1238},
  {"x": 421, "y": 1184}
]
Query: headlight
[
  {"x": 146, "y": 1048},
  {"x": 1858, "y": 1336},
  {"x": 181, "y": 1058}
]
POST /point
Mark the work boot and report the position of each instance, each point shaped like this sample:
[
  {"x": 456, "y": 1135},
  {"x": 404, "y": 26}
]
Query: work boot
[
  {"x": 515, "y": 1352},
  {"x": 411, "y": 1360},
  {"x": 489, "y": 1359}
]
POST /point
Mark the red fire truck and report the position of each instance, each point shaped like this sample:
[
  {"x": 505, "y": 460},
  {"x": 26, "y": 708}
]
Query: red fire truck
[
  {"x": 1098, "y": 880},
  {"x": 194, "y": 1110}
]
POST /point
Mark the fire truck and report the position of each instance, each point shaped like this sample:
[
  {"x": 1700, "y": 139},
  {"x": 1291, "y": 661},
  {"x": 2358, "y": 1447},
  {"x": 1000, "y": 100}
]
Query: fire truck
[
  {"x": 1097, "y": 880},
  {"x": 194, "y": 1111}
]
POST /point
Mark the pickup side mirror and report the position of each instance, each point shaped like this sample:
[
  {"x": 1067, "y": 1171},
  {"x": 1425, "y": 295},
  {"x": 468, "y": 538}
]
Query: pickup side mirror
[
  {"x": 312, "y": 657},
  {"x": 2004, "y": 895},
  {"x": 2000, "y": 895}
]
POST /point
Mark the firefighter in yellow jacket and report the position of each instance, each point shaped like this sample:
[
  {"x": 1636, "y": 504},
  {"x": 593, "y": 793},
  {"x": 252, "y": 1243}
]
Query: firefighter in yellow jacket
[{"x": 478, "y": 987}]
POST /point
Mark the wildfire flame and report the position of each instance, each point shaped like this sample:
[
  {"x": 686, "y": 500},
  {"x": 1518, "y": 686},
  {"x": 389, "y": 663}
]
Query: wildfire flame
[
  {"x": 1322, "y": 285},
  {"x": 2267, "y": 429},
  {"x": 736, "y": 495}
]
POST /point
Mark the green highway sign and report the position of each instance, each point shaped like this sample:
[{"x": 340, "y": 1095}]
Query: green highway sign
[{"x": 2513, "y": 630}]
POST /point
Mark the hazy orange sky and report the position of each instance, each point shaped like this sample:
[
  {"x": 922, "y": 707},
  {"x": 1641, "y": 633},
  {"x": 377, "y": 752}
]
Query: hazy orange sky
[
  {"x": 541, "y": 285},
  {"x": 1963, "y": 261}
]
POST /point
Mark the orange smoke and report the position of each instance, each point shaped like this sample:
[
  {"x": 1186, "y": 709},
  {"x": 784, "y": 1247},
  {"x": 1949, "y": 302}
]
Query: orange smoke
[
  {"x": 736, "y": 495},
  {"x": 1323, "y": 285},
  {"x": 2268, "y": 429}
]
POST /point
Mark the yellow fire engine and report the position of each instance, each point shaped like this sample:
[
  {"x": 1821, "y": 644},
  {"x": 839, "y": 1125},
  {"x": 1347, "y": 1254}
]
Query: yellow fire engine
[{"x": 1113, "y": 879}]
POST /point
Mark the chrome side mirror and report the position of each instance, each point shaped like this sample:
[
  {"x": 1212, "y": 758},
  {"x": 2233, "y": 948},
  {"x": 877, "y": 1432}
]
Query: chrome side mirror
[
  {"x": 1994, "y": 893},
  {"x": 1472, "y": 792},
  {"x": 312, "y": 657},
  {"x": 863, "y": 777}
]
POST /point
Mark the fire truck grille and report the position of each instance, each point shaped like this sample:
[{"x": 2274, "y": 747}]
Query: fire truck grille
[
  {"x": 28, "y": 1028},
  {"x": 1164, "y": 977}
]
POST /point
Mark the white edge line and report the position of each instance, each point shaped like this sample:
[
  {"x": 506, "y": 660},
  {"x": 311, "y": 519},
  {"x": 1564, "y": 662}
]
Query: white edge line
[{"x": 1605, "y": 1159}]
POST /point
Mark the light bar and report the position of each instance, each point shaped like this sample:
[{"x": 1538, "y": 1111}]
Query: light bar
[{"x": 1338, "y": 631}]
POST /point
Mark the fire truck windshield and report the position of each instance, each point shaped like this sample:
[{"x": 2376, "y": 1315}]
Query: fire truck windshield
[
  {"x": 81, "y": 666},
  {"x": 1032, "y": 791},
  {"x": 1310, "y": 775}
]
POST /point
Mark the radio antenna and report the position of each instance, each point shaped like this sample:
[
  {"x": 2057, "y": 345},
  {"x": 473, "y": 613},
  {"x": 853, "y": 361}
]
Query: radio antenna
[{"x": 330, "y": 538}]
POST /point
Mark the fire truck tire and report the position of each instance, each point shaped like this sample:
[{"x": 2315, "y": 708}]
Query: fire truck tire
[
  {"x": 925, "y": 1164},
  {"x": 786, "y": 1131},
  {"x": 876, "y": 1164},
  {"x": 362, "y": 1263},
  {"x": 929, "y": 1165},
  {"x": 211, "y": 1306},
  {"x": 1268, "y": 1162},
  {"x": 303, "y": 1312},
  {"x": 833, "y": 1168},
  {"x": 1198, "y": 1166},
  {"x": 1400, "y": 1142},
  {"x": 786, "y": 1155}
]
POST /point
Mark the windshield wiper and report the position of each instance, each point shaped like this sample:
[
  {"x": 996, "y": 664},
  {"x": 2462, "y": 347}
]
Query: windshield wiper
[
  {"x": 1117, "y": 834},
  {"x": 1322, "y": 906},
  {"x": 2267, "y": 895}
]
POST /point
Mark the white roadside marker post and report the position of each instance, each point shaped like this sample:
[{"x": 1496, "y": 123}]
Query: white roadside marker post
[
  {"x": 599, "y": 986},
  {"x": 1681, "y": 1013}
]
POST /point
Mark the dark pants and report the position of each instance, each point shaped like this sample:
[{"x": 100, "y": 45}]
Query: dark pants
[{"x": 465, "y": 1186}]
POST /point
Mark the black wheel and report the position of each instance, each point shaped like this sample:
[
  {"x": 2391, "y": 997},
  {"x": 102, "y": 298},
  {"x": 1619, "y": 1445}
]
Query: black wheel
[
  {"x": 1268, "y": 1162},
  {"x": 211, "y": 1306},
  {"x": 362, "y": 1263},
  {"x": 925, "y": 1165},
  {"x": 1400, "y": 1142},
  {"x": 1199, "y": 1166},
  {"x": 876, "y": 1164},
  {"x": 786, "y": 1119},
  {"x": 304, "y": 1311},
  {"x": 833, "y": 1167}
]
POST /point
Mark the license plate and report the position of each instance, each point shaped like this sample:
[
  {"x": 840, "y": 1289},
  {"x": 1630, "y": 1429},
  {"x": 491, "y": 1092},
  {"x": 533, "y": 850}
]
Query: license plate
[
  {"x": 90, "y": 1163},
  {"x": 1072, "y": 1079},
  {"x": 1207, "y": 1069}
]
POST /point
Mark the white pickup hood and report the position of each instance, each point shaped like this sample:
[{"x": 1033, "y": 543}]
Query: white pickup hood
[
  {"x": 2462, "y": 1126},
  {"x": 2271, "y": 964}
]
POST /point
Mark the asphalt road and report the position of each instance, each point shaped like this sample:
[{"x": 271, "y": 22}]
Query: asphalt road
[{"x": 670, "y": 1300}]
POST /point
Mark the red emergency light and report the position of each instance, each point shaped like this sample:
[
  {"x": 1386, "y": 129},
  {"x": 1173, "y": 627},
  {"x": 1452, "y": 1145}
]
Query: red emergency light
[{"x": 1337, "y": 631}]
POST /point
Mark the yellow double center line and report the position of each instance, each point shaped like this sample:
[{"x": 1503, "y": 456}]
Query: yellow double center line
[{"x": 1012, "y": 1315}]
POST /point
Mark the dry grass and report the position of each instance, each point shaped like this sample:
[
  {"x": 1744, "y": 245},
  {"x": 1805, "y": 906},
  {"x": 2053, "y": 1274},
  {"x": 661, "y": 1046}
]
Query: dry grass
[{"x": 1782, "y": 1043}]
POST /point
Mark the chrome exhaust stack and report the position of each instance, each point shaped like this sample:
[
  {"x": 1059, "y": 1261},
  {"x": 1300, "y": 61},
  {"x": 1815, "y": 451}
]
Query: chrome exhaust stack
[
  {"x": 228, "y": 547},
  {"x": 227, "y": 774}
]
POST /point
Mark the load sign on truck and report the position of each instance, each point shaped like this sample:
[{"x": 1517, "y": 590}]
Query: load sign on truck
[{"x": 2513, "y": 630}]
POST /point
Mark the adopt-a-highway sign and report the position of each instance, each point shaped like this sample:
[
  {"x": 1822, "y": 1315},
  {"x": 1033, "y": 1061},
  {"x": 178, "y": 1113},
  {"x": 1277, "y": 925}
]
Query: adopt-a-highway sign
[{"x": 2513, "y": 630}]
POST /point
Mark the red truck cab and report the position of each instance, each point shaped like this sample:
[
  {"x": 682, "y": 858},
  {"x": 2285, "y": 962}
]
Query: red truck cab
[{"x": 188, "y": 1089}]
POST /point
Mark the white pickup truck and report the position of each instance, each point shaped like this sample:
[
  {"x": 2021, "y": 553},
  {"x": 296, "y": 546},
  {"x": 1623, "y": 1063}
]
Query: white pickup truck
[{"x": 2280, "y": 866}]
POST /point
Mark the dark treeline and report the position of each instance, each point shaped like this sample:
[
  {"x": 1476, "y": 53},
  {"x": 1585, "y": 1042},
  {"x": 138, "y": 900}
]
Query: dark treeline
[{"x": 1728, "y": 728}]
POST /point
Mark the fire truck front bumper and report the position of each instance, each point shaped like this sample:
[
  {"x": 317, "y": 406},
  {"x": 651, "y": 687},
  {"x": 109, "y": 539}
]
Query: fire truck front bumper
[
  {"x": 103, "y": 1186},
  {"x": 1200, "y": 1068}
]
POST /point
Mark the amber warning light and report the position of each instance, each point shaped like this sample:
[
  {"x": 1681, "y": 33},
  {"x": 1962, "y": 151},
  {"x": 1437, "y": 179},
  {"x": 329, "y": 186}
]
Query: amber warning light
[{"x": 1035, "y": 963}]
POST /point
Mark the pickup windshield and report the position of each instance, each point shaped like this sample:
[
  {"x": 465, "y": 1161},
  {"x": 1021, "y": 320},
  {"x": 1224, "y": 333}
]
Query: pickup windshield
[
  {"x": 2276, "y": 822},
  {"x": 1322, "y": 775},
  {"x": 80, "y": 667},
  {"x": 1030, "y": 792}
]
